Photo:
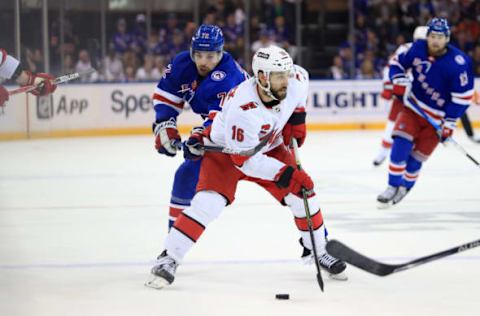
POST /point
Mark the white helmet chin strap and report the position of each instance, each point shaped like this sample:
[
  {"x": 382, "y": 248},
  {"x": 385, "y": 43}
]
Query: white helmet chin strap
[{"x": 267, "y": 88}]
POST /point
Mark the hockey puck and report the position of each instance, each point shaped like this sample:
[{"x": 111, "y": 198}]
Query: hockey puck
[{"x": 282, "y": 296}]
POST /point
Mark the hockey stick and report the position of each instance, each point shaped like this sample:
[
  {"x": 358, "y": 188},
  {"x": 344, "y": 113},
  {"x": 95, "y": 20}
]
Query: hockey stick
[
  {"x": 345, "y": 253},
  {"x": 57, "y": 80},
  {"x": 308, "y": 215},
  {"x": 439, "y": 129},
  {"x": 467, "y": 126},
  {"x": 248, "y": 152}
]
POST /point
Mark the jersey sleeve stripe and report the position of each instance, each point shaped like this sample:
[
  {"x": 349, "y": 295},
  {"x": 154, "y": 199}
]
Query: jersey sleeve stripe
[
  {"x": 467, "y": 94},
  {"x": 462, "y": 101},
  {"x": 159, "y": 99},
  {"x": 168, "y": 95}
]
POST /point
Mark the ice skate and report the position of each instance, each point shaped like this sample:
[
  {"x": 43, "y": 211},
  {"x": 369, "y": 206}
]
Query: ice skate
[
  {"x": 163, "y": 272},
  {"x": 401, "y": 192},
  {"x": 335, "y": 267},
  {"x": 385, "y": 199}
]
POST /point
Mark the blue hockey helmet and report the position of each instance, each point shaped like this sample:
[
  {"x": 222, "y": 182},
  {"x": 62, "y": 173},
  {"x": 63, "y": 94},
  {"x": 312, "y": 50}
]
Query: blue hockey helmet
[
  {"x": 208, "y": 38},
  {"x": 439, "y": 25}
]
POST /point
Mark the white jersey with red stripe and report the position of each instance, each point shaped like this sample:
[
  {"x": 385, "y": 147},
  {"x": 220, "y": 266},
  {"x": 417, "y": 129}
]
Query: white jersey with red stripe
[
  {"x": 8, "y": 65},
  {"x": 245, "y": 120}
]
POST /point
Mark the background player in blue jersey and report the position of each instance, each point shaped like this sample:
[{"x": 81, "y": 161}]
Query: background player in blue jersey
[
  {"x": 442, "y": 89},
  {"x": 202, "y": 77}
]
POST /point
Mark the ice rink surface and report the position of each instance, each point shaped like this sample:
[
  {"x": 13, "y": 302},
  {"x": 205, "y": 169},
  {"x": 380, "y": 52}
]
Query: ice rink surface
[{"x": 82, "y": 219}]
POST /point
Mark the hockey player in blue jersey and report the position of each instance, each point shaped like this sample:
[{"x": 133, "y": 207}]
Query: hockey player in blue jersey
[
  {"x": 442, "y": 89},
  {"x": 202, "y": 77}
]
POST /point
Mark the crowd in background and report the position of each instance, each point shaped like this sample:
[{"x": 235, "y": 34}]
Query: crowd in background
[{"x": 380, "y": 27}]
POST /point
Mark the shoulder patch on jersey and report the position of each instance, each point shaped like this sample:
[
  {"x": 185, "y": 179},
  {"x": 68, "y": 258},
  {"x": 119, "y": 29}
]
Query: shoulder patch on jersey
[
  {"x": 218, "y": 75},
  {"x": 460, "y": 60}
]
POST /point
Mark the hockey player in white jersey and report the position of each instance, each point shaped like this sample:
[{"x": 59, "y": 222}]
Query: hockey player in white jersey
[
  {"x": 273, "y": 100},
  {"x": 10, "y": 68},
  {"x": 389, "y": 96}
]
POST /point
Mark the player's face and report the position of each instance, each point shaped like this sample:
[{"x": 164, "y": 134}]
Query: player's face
[
  {"x": 436, "y": 43},
  {"x": 206, "y": 61},
  {"x": 279, "y": 84}
]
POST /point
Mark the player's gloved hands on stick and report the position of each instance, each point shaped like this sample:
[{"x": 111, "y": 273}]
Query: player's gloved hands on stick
[
  {"x": 446, "y": 130},
  {"x": 293, "y": 179},
  {"x": 167, "y": 138},
  {"x": 3, "y": 95},
  {"x": 295, "y": 128},
  {"x": 44, "y": 83},
  {"x": 193, "y": 147}
]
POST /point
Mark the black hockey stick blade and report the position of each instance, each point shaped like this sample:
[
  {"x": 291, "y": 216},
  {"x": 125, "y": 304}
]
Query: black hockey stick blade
[
  {"x": 320, "y": 281},
  {"x": 345, "y": 253},
  {"x": 247, "y": 152}
]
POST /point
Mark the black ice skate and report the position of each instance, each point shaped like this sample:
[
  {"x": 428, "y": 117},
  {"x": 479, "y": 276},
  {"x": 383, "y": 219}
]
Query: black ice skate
[
  {"x": 163, "y": 271},
  {"x": 335, "y": 267}
]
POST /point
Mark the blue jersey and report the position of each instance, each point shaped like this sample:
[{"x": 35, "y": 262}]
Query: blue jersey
[
  {"x": 181, "y": 83},
  {"x": 442, "y": 86}
]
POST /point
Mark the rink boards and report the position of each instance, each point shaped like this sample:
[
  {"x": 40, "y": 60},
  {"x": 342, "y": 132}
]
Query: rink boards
[{"x": 126, "y": 108}]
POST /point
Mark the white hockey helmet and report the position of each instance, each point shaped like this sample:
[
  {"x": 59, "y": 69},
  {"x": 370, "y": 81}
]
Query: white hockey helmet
[
  {"x": 270, "y": 59},
  {"x": 420, "y": 32}
]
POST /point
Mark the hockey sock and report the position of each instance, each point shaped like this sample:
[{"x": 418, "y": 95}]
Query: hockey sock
[
  {"x": 398, "y": 160},
  {"x": 412, "y": 172}
]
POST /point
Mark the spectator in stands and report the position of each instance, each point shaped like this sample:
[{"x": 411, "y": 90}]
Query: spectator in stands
[
  {"x": 148, "y": 72},
  {"x": 84, "y": 64},
  {"x": 122, "y": 39},
  {"x": 165, "y": 34},
  {"x": 177, "y": 44},
  {"x": 34, "y": 60},
  {"x": 233, "y": 34},
  {"x": 264, "y": 40},
  {"x": 139, "y": 35},
  {"x": 68, "y": 65},
  {"x": 113, "y": 66},
  {"x": 211, "y": 17},
  {"x": 153, "y": 46},
  {"x": 367, "y": 70},
  {"x": 130, "y": 74},
  {"x": 189, "y": 30},
  {"x": 337, "y": 71}
]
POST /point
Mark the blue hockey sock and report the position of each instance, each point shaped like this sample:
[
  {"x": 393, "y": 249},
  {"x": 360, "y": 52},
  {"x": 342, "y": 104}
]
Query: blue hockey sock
[
  {"x": 412, "y": 172},
  {"x": 401, "y": 149}
]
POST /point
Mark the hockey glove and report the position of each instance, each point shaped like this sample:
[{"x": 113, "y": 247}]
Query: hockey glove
[
  {"x": 295, "y": 128},
  {"x": 167, "y": 138},
  {"x": 293, "y": 179},
  {"x": 43, "y": 81},
  {"x": 400, "y": 87},
  {"x": 387, "y": 90},
  {"x": 446, "y": 130},
  {"x": 193, "y": 147},
  {"x": 3, "y": 95}
]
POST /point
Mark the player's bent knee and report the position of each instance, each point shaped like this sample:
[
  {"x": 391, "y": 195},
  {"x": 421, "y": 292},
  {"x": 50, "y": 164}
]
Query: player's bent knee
[
  {"x": 206, "y": 206},
  {"x": 297, "y": 206}
]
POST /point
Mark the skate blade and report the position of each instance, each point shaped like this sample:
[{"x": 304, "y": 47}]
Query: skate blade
[
  {"x": 157, "y": 283},
  {"x": 382, "y": 206},
  {"x": 339, "y": 276}
]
